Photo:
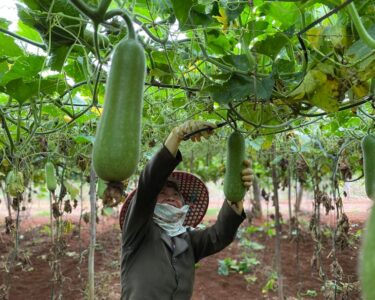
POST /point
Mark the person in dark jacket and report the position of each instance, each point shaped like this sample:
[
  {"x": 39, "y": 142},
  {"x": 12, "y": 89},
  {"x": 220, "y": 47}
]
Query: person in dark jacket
[{"x": 159, "y": 249}]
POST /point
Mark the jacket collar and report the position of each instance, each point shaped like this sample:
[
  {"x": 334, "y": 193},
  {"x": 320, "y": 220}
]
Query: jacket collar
[{"x": 180, "y": 245}]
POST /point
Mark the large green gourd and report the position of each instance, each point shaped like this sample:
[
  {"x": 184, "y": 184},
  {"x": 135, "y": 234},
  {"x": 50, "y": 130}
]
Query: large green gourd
[
  {"x": 367, "y": 259},
  {"x": 117, "y": 141},
  {"x": 234, "y": 189},
  {"x": 368, "y": 148}
]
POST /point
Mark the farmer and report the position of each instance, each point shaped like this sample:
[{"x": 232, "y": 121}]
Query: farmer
[{"x": 159, "y": 248}]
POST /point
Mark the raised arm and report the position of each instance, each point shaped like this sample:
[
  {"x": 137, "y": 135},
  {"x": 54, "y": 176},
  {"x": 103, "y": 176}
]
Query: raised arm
[{"x": 152, "y": 180}]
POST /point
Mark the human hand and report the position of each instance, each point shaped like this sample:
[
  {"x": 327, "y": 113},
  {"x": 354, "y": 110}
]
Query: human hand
[
  {"x": 247, "y": 175},
  {"x": 192, "y": 126}
]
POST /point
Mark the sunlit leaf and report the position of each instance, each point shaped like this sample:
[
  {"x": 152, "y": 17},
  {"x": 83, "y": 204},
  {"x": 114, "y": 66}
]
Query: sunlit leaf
[
  {"x": 9, "y": 47},
  {"x": 25, "y": 67},
  {"x": 28, "y": 32}
]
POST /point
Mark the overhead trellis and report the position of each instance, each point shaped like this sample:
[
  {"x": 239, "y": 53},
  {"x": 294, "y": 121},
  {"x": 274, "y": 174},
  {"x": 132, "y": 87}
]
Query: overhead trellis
[{"x": 268, "y": 64}]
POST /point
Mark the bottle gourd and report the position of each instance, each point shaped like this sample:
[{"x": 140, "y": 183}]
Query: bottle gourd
[
  {"x": 368, "y": 149},
  {"x": 117, "y": 140},
  {"x": 367, "y": 255},
  {"x": 51, "y": 179},
  {"x": 234, "y": 189}
]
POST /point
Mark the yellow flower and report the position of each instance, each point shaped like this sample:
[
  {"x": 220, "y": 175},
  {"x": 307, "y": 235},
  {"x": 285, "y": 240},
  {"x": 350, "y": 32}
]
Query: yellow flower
[{"x": 223, "y": 19}]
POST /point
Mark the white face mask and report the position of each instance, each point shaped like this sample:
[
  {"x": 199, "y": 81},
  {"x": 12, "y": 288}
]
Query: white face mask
[{"x": 170, "y": 218}]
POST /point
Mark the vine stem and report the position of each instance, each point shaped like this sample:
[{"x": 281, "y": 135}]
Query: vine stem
[
  {"x": 122, "y": 13},
  {"x": 21, "y": 38},
  {"x": 87, "y": 10},
  {"x": 9, "y": 136},
  {"x": 91, "y": 263},
  {"x": 280, "y": 287},
  {"x": 362, "y": 32}
]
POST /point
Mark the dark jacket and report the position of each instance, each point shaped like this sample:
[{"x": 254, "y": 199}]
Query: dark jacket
[{"x": 153, "y": 265}]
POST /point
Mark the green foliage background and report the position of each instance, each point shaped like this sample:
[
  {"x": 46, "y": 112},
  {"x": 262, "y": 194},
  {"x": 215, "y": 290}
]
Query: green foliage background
[{"x": 211, "y": 60}]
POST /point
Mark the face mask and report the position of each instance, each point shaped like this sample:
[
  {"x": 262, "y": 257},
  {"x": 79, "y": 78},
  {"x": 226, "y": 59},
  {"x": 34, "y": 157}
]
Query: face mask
[{"x": 170, "y": 218}]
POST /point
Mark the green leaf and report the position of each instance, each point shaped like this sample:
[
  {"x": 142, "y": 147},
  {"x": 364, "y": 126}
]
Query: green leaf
[
  {"x": 217, "y": 42},
  {"x": 3, "y": 99},
  {"x": 107, "y": 211},
  {"x": 4, "y": 23},
  {"x": 254, "y": 29},
  {"x": 236, "y": 88},
  {"x": 20, "y": 90},
  {"x": 4, "y": 68},
  {"x": 25, "y": 67},
  {"x": 54, "y": 84},
  {"x": 241, "y": 62},
  {"x": 272, "y": 45},
  {"x": 72, "y": 190},
  {"x": 233, "y": 10},
  {"x": 182, "y": 11},
  {"x": 84, "y": 139},
  {"x": 23, "y": 90},
  {"x": 28, "y": 32},
  {"x": 264, "y": 88},
  {"x": 58, "y": 57},
  {"x": 75, "y": 68},
  {"x": 178, "y": 101},
  {"x": 359, "y": 49},
  {"x": 239, "y": 87},
  {"x": 51, "y": 110},
  {"x": 197, "y": 18},
  {"x": 8, "y": 47},
  {"x": 286, "y": 13}
]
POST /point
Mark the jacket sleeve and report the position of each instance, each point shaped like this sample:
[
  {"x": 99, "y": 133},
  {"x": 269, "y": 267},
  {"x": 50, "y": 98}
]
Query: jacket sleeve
[
  {"x": 141, "y": 209},
  {"x": 215, "y": 238}
]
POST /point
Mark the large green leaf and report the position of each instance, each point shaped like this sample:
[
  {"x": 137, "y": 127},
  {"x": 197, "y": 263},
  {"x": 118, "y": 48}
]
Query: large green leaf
[
  {"x": 8, "y": 47},
  {"x": 28, "y": 32},
  {"x": 239, "y": 87},
  {"x": 285, "y": 12},
  {"x": 20, "y": 90},
  {"x": 218, "y": 43},
  {"x": 76, "y": 67},
  {"x": 233, "y": 10},
  {"x": 241, "y": 62},
  {"x": 254, "y": 29},
  {"x": 24, "y": 90},
  {"x": 25, "y": 67},
  {"x": 190, "y": 13},
  {"x": 58, "y": 57},
  {"x": 182, "y": 11},
  {"x": 272, "y": 45}
]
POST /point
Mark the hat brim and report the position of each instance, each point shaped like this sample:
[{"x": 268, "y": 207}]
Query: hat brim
[{"x": 195, "y": 195}]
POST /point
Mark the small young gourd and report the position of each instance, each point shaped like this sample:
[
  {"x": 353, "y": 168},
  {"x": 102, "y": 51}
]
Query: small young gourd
[{"x": 51, "y": 179}]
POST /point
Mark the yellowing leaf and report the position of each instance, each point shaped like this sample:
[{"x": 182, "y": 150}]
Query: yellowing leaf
[
  {"x": 223, "y": 18},
  {"x": 314, "y": 36},
  {"x": 360, "y": 90},
  {"x": 313, "y": 79},
  {"x": 97, "y": 110},
  {"x": 326, "y": 96}
]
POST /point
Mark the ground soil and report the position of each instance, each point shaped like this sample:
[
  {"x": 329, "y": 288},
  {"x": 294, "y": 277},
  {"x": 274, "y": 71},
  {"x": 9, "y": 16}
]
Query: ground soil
[{"x": 31, "y": 278}]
